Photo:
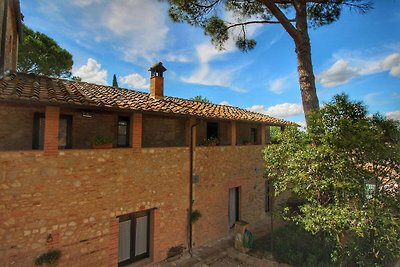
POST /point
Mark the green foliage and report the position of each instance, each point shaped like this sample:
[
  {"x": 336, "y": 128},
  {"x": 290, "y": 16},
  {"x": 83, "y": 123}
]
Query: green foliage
[
  {"x": 42, "y": 55},
  {"x": 210, "y": 141},
  {"x": 200, "y": 98},
  {"x": 115, "y": 82},
  {"x": 102, "y": 140},
  {"x": 276, "y": 134},
  {"x": 329, "y": 166},
  {"x": 195, "y": 216},
  {"x": 297, "y": 247},
  {"x": 49, "y": 257},
  {"x": 208, "y": 14}
]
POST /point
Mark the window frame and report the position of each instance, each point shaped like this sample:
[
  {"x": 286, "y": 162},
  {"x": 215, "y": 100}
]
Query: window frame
[
  {"x": 68, "y": 118},
  {"x": 128, "y": 121},
  {"x": 133, "y": 217},
  {"x": 36, "y": 130}
]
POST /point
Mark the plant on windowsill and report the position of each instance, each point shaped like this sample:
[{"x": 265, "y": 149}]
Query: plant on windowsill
[
  {"x": 247, "y": 142},
  {"x": 49, "y": 258},
  {"x": 102, "y": 141},
  {"x": 212, "y": 141}
]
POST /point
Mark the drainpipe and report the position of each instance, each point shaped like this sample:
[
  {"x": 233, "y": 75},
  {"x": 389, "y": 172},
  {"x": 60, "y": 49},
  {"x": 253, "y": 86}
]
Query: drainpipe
[{"x": 191, "y": 187}]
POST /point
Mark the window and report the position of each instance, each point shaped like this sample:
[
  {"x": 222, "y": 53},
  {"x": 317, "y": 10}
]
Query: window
[
  {"x": 64, "y": 131},
  {"x": 233, "y": 209},
  {"x": 268, "y": 195},
  {"x": 123, "y": 131},
  {"x": 38, "y": 131},
  {"x": 253, "y": 135},
  {"x": 133, "y": 237},
  {"x": 212, "y": 130}
]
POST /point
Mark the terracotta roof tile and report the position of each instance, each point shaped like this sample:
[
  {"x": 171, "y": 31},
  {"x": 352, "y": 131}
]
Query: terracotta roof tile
[{"x": 41, "y": 89}]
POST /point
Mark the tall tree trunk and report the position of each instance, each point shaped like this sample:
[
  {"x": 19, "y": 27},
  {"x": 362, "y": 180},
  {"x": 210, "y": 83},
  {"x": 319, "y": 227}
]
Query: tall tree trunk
[{"x": 304, "y": 63}]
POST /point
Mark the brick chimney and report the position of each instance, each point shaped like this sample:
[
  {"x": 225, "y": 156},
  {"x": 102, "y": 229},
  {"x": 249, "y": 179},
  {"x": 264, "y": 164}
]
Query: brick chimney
[
  {"x": 10, "y": 34},
  {"x": 157, "y": 81}
]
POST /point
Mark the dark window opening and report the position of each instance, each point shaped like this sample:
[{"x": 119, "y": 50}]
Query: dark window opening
[
  {"x": 268, "y": 195},
  {"x": 254, "y": 135},
  {"x": 212, "y": 130},
  {"x": 123, "y": 132},
  {"x": 38, "y": 131},
  {"x": 133, "y": 237},
  {"x": 64, "y": 131},
  {"x": 233, "y": 209}
]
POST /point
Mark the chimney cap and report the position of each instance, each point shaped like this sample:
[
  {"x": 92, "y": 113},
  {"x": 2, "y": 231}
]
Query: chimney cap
[{"x": 157, "y": 69}]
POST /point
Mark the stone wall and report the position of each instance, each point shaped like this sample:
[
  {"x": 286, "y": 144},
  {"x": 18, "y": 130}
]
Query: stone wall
[{"x": 77, "y": 195}]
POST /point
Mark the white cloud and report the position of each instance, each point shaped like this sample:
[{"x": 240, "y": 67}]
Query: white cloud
[
  {"x": 92, "y": 72},
  {"x": 395, "y": 115},
  {"x": 203, "y": 75},
  {"x": 135, "y": 80},
  {"x": 136, "y": 29},
  {"x": 141, "y": 24},
  {"x": 343, "y": 70},
  {"x": 84, "y": 3},
  {"x": 177, "y": 58},
  {"x": 225, "y": 103},
  {"x": 277, "y": 86},
  {"x": 207, "y": 52},
  {"x": 280, "y": 110},
  {"x": 339, "y": 73}
]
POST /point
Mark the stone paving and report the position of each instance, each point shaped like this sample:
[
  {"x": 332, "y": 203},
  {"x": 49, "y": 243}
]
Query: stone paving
[{"x": 220, "y": 253}]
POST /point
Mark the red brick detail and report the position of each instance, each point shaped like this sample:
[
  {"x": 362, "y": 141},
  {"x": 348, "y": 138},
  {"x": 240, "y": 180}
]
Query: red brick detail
[
  {"x": 233, "y": 133},
  {"x": 157, "y": 250},
  {"x": 263, "y": 132},
  {"x": 137, "y": 132},
  {"x": 157, "y": 87},
  {"x": 51, "y": 130},
  {"x": 113, "y": 246}
]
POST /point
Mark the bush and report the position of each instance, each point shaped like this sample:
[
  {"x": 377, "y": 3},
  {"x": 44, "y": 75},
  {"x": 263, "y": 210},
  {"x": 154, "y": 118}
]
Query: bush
[{"x": 293, "y": 245}]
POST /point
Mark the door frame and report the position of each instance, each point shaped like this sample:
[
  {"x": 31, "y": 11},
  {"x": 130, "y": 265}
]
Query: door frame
[{"x": 237, "y": 206}]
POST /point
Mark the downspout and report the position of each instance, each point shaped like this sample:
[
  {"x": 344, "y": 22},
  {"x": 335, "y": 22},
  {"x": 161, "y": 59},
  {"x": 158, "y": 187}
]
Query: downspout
[{"x": 191, "y": 188}]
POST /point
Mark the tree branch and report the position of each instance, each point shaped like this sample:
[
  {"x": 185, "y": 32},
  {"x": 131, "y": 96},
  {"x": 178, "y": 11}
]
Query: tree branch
[
  {"x": 206, "y": 6},
  {"x": 232, "y": 25},
  {"x": 270, "y": 4}
]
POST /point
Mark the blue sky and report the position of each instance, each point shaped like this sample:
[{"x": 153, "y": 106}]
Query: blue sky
[{"x": 358, "y": 55}]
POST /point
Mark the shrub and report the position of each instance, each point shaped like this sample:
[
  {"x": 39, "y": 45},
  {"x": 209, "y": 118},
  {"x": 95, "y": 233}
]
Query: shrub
[{"x": 293, "y": 245}]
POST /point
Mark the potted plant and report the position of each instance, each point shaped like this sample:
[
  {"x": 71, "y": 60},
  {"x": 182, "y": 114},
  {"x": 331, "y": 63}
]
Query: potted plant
[
  {"x": 247, "y": 142},
  {"x": 212, "y": 141},
  {"x": 102, "y": 141}
]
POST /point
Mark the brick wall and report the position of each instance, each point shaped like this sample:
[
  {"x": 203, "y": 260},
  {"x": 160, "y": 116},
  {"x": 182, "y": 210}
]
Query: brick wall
[
  {"x": 16, "y": 127},
  {"x": 221, "y": 168},
  {"x": 243, "y": 132},
  {"x": 161, "y": 131},
  {"x": 77, "y": 195}
]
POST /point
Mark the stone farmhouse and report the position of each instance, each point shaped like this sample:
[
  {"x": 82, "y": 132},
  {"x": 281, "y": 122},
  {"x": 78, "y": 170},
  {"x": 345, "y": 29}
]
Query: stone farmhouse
[{"x": 130, "y": 203}]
